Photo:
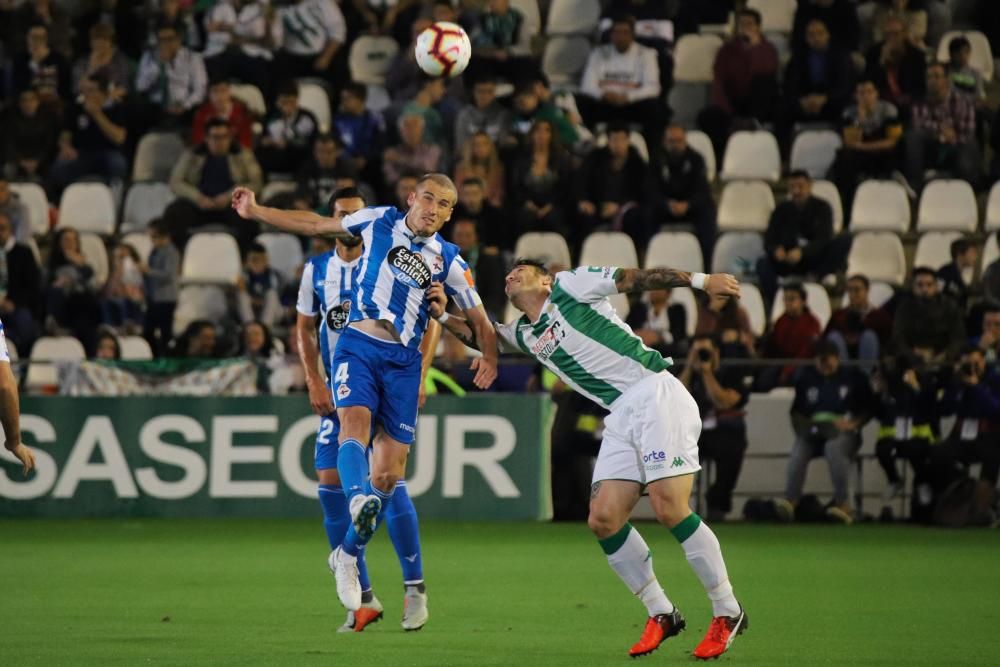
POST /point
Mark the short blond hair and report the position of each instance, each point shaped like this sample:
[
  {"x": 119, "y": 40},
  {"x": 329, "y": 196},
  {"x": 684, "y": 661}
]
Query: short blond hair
[{"x": 438, "y": 178}]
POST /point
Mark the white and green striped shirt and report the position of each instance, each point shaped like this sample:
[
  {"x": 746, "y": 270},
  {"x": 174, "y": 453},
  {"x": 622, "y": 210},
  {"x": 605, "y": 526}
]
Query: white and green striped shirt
[{"x": 580, "y": 338}]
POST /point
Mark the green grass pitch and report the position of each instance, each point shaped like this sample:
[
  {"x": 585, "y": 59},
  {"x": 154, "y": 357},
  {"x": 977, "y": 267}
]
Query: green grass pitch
[{"x": 186, "y": 592}]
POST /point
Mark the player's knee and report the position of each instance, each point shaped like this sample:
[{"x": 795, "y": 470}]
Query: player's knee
[
  {"x": 355, "y": 422},
  {"x": 602, "y": 523},
  {"x": 384, "y": 479},
  {"x": 669, "y": 510}
]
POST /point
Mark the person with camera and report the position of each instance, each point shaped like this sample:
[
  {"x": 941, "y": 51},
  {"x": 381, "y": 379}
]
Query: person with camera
[
  {"x": 721, "y": 394},
  {"x": 832, "y": 403},
  {"x": 908, "y": 426},
  {"x": 974, "y": 398}
]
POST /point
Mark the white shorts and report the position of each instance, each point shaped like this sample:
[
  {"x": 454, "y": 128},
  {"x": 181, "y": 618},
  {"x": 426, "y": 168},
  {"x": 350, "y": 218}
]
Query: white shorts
[{"x": 651, "y": 433}]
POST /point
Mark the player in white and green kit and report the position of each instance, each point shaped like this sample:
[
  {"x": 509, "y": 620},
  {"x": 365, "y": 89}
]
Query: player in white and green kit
[{"x": 650, "y": 438}]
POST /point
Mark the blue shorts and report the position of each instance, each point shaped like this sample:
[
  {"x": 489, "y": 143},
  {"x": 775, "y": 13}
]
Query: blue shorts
[
  {"x": 381, "y": 376},
  {"x": 327, "y": 442}
]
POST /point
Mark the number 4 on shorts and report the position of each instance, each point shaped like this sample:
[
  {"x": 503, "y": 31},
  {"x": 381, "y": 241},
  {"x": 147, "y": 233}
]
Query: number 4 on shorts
[{"x": 341, "y": 375}]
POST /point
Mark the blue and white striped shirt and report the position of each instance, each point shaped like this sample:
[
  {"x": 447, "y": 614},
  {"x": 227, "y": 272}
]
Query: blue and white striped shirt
[
  {"x": 397, "y": 266},
  {"x": 327, "y": 288}
]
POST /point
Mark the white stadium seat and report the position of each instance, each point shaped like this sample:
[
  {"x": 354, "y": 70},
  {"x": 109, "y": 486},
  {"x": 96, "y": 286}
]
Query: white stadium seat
[
  {"x": 991, "y": 253},
  {"x": 609, "y": 249},
  {"x": 275, "y": 188},
  {"x": 816, "y": 298},
  {"x": 141, "y": 242},
  {"x": 879, "y": 256},
  {"x": 573, "y": 17},
  {"x": 745, "y": 205},
  {"x": 564, "y": 59},
  {"x": 199, "y": 302},
  {"x": 948, "y": 204},
  {"x": 313, "y": 97},
  {"x": 751, "y": 156},
  {"x": 532, "y": 24},
  {"x": 51, "y": 349},
  {"x": 814, "y": 151},
  {"x": 370, "y": 57},
  {"x": 694, "y": 56},
  {"x": 675, "y": 250},
  {"x": 251, "y": 96},
  {"x": 635, "y": 140},
  {"x": 94, "y": 251},
  {"x": 992, "y": 217},
  {"x": 34, "y": 199},
  {"x": 212, "y": 258},
  {"x": 934, "y": 249},
  {"x": 685, "y": 297},
  {"x": 284, "y": 253},
  {"x": 753, "y": 302},
  {"x": 686, "y": 99},
  {"x": 88, "y": 207},
  {"x": 982, "y": 54},
  {"x": 144, "y": 202},
  {"x": 828, "y": 192},
  {"x": 737, "y": 253},
  {"x": 881, "y": 205},
  {"x": 879, "y": 294},
  {"x": 547, "y": 247},
  {"x": 701, "y": 144},
  {"x": 378, "y": 99},
  {"x": 776, "y": 15},
  {"x": 156, "y": 156},
  {"x": 135, "y": 348}
]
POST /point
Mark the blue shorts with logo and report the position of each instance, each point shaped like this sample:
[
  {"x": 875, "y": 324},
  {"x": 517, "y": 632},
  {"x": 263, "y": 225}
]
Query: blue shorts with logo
[
  {"x": 383, "y": 377},
  {"x": 327, "y": 442}
]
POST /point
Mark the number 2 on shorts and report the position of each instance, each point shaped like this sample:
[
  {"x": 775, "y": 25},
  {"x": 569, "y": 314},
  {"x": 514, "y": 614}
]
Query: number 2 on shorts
[{"x": 340, "y": 376}]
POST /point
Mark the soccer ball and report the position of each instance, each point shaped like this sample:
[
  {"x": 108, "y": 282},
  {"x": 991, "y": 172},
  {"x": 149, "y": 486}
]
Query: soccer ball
[{"x": 443, "y": 50}]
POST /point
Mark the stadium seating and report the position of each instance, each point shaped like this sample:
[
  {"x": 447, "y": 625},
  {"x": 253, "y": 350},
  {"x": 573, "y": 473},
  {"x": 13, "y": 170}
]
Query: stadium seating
[
  {"x": 992, "y": 218},
  {"x": 991, "y": 253},
  {"x": 878, "y": 255},
  {"x": 880, "y": 205},
  {"x": 634, "y": 139},
  {"x": 211, "y": 258},
  {"x": 751, "y": 156},
  {"x": 699, "y": 142},
  {"x": 675, "y": 250},
  {"x": 144, "y": 202},
  {"x": 610, "y": 249},
  {"x": 199, "y": 302},
  {"x": 687, "y": 99},
  {"x": 275, "y": 188},
  {"x": 313, "y": 97},
  {"x": 982, "y": 54},
  {"x": 141, "y": 242},
  {"x": 564, "y": 59},
  {"x": 828, "y": 192},
  {"x": 34, "y": 199},
  {"x": 934, "y": 249},
  {"x": 33, "y": 247},
  {"x": 573, "y": 17},
  {"x": 745, "y": 205},
  {"x": 93, "y": 250},
  {"x": 51, "y": 349},
  {"x": 814, "y": 151},
  {"x": 753, "y": 302},
  {"x": 685, "y": 297},
  {"x": 737, "y": 253},
  {"x": 284, "y": 253},
  {"x": 251, "y": 96},
  {"x": 156, "y": 155},
  {"x": 816, "y": 298},
  {"x": 694, "y": 56},
  {"x": 547, "y": 247},
  {"x": 948, "y": 204},
  {"x": 531, "y": 27},
  {"x": 776, "y": 15},
  {"x": 135, "y": 348},
  {"x": 12, "y": 350},
  {"x": 370, "y": 57},
  {"x": 378, "y": 100},
  {"x": 88, "y": 207}
]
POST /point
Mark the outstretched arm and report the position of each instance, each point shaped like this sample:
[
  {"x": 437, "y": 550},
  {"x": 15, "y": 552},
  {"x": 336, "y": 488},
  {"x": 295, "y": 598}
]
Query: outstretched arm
[
  {"x": 457, "y": 325},
  {"x": 306, "y": 223},
  {"x": 486, "y": 367},
  {"x": 642, "y": 280}
]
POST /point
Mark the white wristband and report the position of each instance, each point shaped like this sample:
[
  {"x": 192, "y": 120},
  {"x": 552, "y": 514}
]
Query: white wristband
[
  {"x": 698, "y": 280},
  {"x": 444, "y": 318}
]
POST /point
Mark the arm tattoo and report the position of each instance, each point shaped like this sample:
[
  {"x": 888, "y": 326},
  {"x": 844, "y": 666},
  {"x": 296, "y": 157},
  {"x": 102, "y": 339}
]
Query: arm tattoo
[
  {"x": 595, "y": 488},
  {"x": 639, "y": 280},
  {"x": 462, "y": 330}
]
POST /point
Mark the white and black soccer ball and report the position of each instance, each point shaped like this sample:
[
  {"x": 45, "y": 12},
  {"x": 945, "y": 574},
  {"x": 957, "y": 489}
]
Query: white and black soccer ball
[{"x": 443, "y": 49}]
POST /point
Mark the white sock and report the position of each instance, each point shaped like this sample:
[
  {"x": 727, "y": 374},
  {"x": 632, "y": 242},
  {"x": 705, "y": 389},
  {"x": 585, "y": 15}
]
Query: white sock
[
  {"x": 630, "y": 557},
  {"x": 703, "y": 552}
]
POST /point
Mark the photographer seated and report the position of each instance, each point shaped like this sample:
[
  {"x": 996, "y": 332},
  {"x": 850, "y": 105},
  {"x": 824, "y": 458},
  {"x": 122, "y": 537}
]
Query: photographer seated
[
  {"x": 830, "y": 407},
  {"x": 721, "y": 394},
  {"x": 908, "y": 426},
  {"x": 973, "y": 396}
]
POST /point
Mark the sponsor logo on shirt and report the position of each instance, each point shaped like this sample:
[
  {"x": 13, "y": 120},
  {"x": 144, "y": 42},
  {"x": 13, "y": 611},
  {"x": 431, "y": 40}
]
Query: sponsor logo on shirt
[
  {"x": 409, "y": 267},
  {"x": 337, "y": 317},
  {"x": 549, "y": 341}
]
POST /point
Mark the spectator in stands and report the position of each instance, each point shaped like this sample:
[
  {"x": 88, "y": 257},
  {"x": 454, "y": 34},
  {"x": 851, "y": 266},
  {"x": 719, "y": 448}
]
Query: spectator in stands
[
  {"x": 871, "y": 130},
  {"x": 238, "y": 42},
  {"x": 793, "y": 336},
  {"x": 413, "y": 153},
  {"x": 928, "y": 324},
  {"x": 484, "y": 115},
  {"x": 123, "y": 296},
  {"x": 172, "y": 77},
  {"x": 660, "y": 324},
  {"x": 406, "y": 184},
  {"x": 257, "y": 344},
  {"x": 965, "y": 79},
  {"x": 956, "y": 277},
  {"x": 15, "y": 211},
  {"x": 621, "y": 83},
  {"x": 179, "y": 14},
  {"x": 989, "y": 340},
  {"x": 610, "y": 189},
  {"x": 799, "y": 240},
  {"x": 494, "y": 230},
  {"x": 71, "y": 297},
  {"x": 222, "y": 104},
  {"x": 991, "y": 278},
  {"x": 728, "y": 322},
  {"x": 289, "y": 132},
  {"x": 912, "y": 16},
  {"x": 497, "y": 48},
  {"x": 20, "y": 287},
  {"x": 831, "y": 405},
  {"x": 859, "y": 329},
  {"x": 162, "y": 272},
  {"x": 943, "y": 133},
  {"x": 323, "y": 174},
  {"x": 529, "y": 107},
  {"x": 721, "y": 393},
  {"x": 104, "y": 57},
  {"x": 424, "y": 104},
  {"x": 896, "y": 66},
  {"x": 744, "y": 84},
  {"x": 42, "y": 69},
  {"x": 484, "y": 262},
  {"x": 123, "y": 21},
  {"x": 31, "y": 131},
  {"x": 92, "y": 140},
  {"x": 259, "y": 288},
  {"x": 539, "y": 183},
  {"x": 839, "y": 16},
  {"x": 480, "y": 159},
  {"x": 361, "y": 131},
  {"x": 817, "y": 82},
  {"x": 405, "y": 77},
  {"x": 108, "y": 347},
  {"x": 314, "y": 36},
  {"x": 974, "y": 398},
  {"x": 204, "y": 179},
  {"x": 49, "y": 15},
  {"x": 199, "y": 341},
  {"x": 679, "y": 192}
]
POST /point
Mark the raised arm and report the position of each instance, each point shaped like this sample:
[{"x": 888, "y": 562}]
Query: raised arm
[
  {"x": 642, "y": 280},
  {"x": 306, "y": 223},
  {"x": 461, "y": 328},
  {"x": 485, "y": 367}
]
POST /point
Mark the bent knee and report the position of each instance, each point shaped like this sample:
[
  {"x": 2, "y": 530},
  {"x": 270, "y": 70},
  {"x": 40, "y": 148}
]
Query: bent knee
[
  {"x": 603, "y": 523},
  {"x": 669, "y": 511},
  {"x": 385, "y": 479}
]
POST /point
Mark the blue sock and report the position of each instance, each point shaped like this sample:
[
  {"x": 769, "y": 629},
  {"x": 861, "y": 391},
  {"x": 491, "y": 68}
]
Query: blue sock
[
  {"x": 404, "y": 532},
  {"x": 352, "y": 464},
  {"x": 336, "y": 521}
]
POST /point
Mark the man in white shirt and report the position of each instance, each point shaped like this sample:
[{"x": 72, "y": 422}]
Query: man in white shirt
[
  {"x": 172, "y": 77},
  {"x": 313, "y": 34}
]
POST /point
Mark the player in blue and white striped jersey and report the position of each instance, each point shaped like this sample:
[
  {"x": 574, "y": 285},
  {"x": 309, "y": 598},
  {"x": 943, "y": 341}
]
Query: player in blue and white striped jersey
[
  {"x": 10, "y": 417},
  {"x": 376, "y": 366}
]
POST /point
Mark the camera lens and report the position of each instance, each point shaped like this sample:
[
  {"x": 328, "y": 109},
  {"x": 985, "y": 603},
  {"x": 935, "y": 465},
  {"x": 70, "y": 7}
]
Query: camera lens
[{"x": 704, "y": 355}]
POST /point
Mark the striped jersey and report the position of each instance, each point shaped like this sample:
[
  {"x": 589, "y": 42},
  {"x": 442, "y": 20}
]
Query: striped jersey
[
  {"x": 397, "y": 267},
  {"x": 4, "y": 354},
  {"x": 327, "y": 288},
  {"x": 580, "y": 338}
]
